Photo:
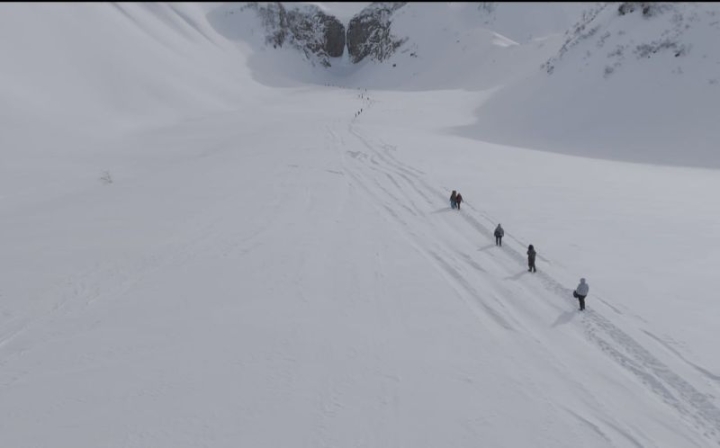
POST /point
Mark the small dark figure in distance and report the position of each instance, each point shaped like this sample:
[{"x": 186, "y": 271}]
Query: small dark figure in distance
[
  {"x": 458, "y": 198},
  {"x": 499, "y": 233},
  {"x": 453, "y": 199},
  {"x": 581, "y": 292},
  {"x": 531, "y": 258}
]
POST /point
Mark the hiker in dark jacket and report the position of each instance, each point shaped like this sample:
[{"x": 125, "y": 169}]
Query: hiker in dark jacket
[
  {"x": 499, "y": 233},
  {"x": 458, "y": 198},
  {"x": 581, "y": 292},
  {"x": 453, "y": 200},
  {"x": 531, "y": 258}
]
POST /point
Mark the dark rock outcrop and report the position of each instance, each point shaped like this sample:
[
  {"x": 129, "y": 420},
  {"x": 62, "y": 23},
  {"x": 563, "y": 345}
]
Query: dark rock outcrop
[
  {"x": 307, "y": 28},
  {"x": 321, "y": 37},
  {"x": 649, "y": 9},
  {"x": 369, "y": 33}
]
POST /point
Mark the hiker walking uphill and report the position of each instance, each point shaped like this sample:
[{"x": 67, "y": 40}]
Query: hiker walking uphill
[
  {"x": 499, "y": 233},
  {"x": 581, "y": 292},
  {"x": 531, "y": 258},
  {"x": 453, "y": 199},
  {"x": 458, "y": 200}
]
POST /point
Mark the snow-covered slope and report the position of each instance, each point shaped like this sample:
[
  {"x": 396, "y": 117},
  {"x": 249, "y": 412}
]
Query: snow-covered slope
[
  {"x": 282, "y": 51},
  {"x": 92, "y": 66},
  {"x": 455, "y": 46},
  {"x": 525, "y": 21},
  {"x": 628, "y": 83},
  {"x": 266, "y": 267},
  {"x": 76, "y": 78},
  {"x": 424, "y": 47},
  {"x": 608, "y": 80}
]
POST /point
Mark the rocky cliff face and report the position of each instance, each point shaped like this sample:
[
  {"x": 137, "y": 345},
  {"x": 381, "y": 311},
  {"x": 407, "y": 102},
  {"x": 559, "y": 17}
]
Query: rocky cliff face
[
  {"x": 321, "y": 36},
  {"x": 306, "y": 28},
  {"x": 369, "y": 32}
]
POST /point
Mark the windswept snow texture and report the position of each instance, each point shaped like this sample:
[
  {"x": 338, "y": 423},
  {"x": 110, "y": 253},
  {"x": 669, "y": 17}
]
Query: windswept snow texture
[{"x": 193, "y": 257}]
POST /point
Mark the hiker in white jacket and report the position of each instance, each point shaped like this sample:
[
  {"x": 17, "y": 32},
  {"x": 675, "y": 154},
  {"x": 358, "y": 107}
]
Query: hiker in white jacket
[{"x": 581, "y": 292}]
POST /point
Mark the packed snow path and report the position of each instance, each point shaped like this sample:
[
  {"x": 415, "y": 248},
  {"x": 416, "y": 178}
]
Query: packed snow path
[
  {"x": 399, "y": 188},
  {"x": 311, "y": 287}
]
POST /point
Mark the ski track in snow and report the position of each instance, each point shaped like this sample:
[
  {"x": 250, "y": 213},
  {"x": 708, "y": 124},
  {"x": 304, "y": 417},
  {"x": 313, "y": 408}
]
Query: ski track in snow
[
  {"x": 695, "y": 407},
  {"x": 404, "y": 196}
]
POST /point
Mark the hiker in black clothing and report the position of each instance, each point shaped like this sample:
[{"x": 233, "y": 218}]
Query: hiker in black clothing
[
  {"x": 458, "y": 199},
  {"x": 453, "y": 199},
  {"x": 499, "y": 233},
  {"x": 531, "y": 258}
]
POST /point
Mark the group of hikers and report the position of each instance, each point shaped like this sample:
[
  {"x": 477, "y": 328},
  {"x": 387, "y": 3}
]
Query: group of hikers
[
  {"x": 579, "y": 293},
  {"x": 500, "y": 233},
  {"x": 455, "y": 200}
]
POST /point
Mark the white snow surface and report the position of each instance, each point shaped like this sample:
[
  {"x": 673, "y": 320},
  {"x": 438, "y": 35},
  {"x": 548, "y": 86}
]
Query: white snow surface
[
  {"x": 265, "y": 267},
  {"x": 629, "y": 87}
]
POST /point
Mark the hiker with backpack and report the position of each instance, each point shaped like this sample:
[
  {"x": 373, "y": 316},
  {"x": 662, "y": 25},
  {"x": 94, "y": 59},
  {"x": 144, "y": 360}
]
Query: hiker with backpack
[
  {"x": 581, "y": 292},
  {"x": 499, "y": 233},
  {"x": 531, "y": 258}
]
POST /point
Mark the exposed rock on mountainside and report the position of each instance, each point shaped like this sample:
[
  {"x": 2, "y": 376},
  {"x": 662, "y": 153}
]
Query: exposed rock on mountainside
[
  {"x": 585, "y": 28},
  {"x": 648, "y": 9},
  {"x": 668, "y": 25},
  {"x": 369, "y": 33},
  {"x": 306, "y": 28}
]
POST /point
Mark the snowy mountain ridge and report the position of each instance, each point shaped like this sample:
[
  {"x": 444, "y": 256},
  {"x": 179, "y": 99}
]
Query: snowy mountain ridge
[
  {"x": 603, "y": 27},
  {"x": 309, "y": 29},
  {"x": 629, "y": 81},
  {"x": 370, "y": 33}
]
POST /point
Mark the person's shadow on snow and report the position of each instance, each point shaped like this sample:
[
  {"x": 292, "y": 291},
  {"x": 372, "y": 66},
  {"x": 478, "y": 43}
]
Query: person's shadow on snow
[
  {"x": 489, "y": 246},
  {"x": 442, "y": 210},
  {"x": 564, "y": 318},
  {"x": 517, "y": 276}
]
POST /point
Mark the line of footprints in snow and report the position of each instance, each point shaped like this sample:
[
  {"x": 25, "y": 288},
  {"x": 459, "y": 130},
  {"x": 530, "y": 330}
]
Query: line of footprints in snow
[{"x": 582, "y": 287}]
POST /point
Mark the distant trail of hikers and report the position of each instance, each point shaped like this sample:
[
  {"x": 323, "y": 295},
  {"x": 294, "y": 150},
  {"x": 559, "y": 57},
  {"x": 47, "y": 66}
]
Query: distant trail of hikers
[
  {"x": 456, "y": 199},
  {"x": 582, "y": 289}
]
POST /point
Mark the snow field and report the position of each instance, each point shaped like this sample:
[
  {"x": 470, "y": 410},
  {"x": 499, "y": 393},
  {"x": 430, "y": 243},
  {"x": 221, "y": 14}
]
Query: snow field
[{"x": 268, "y": 268}]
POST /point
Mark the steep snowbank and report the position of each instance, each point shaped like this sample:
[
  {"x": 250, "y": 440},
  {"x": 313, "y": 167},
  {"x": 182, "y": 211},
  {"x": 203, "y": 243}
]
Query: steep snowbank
[
  {"x": 77, "y": 78},
  {"x": 143, "y": 62},
  {"x": 627, "y": 85}
]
